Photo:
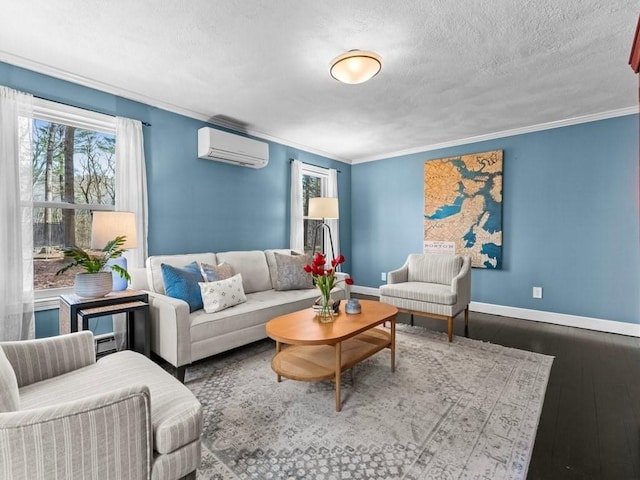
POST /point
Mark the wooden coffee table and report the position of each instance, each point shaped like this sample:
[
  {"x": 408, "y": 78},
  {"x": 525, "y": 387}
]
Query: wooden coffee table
[{"x": 322, "y": 351}]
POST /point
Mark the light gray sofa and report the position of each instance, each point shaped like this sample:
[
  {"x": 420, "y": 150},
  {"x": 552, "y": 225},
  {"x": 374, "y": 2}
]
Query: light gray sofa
[
  {"x": 437, "y": 286},
  {"x": 181, "y": 337},
  {"x": 64, "y": 415}
]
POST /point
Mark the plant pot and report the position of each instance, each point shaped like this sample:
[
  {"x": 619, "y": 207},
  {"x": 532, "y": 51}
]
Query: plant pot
[{"x": 90, "y": 285}]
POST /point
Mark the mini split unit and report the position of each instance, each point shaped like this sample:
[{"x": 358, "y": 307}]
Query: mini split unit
[{"x": 231, "y": 148}]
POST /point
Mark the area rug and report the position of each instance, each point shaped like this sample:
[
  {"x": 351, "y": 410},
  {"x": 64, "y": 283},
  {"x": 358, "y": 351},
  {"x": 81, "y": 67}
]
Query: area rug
[{"x": 457, "y": 410}]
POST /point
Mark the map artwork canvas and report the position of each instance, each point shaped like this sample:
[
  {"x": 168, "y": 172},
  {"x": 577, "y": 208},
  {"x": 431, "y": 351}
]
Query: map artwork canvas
[{"x": 463, "y": 207}]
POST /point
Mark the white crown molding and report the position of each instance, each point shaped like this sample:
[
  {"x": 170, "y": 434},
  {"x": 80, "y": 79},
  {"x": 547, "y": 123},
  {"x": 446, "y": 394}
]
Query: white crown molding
[
  {"x": 154, "y": 102},
  {"x": 588, "y": 323},
  {"x": 138, "y": 97},
  {"x": 621, "y": 112}
]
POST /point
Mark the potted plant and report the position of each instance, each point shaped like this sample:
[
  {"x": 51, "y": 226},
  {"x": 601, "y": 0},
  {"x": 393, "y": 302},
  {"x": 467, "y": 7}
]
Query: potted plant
[{"x": 95, "y": 281}]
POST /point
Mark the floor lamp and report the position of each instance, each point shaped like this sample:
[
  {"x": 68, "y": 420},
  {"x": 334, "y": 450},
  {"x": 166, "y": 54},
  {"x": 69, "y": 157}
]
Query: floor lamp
[
  {"x": 323, "y": 208},
  {"x": 105, "y": 226}
]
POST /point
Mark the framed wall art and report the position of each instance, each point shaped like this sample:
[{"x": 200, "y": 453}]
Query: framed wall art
[{"x": 463, "y": 207}]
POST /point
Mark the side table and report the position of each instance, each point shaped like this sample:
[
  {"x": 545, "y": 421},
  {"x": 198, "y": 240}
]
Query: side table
[{"x": 132, "y": 302}]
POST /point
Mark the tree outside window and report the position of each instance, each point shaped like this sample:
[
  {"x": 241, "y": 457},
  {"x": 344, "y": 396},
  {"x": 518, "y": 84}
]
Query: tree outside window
[
  {"x": 312, "y": 186},
  {"x": 73, "y": 173}
]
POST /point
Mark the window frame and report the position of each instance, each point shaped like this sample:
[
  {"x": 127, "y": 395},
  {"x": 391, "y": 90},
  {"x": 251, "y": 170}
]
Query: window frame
[
  {"x": 323, "y": 175},
  {"x": 49, "y": 111}
]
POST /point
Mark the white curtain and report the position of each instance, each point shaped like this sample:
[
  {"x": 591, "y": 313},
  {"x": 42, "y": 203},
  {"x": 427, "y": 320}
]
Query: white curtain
[
  {"x": 16, "y": 223},
  {"x": 296, "y": 235},
  {"x": 131, "y": 196},
  {"x": 131, "y": 183},
  {"x": 332, "y": 191}
]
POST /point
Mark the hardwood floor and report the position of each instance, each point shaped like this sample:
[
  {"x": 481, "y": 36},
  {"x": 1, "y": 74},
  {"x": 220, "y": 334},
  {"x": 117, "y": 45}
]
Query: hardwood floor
[{"x": 590, "y": 422}]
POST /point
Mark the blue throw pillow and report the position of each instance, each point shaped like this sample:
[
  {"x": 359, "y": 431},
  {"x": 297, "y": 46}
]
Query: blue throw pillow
[{"x": 182, "y": 283}]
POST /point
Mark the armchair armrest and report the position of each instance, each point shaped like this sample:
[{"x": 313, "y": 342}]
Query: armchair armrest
[
  {"x": 46, "y": 442},
  {"x": 36, "y": 360},
  {"x": 400, "y": 275},
  {"x": 461, "y": 283},
  {"x": 170, "y": 328}
]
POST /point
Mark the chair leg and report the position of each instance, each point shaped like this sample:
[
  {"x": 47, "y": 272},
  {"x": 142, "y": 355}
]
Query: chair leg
[
  {"x": 179, "y": 373},
  {"x": 466, "y": 322},
  {"x": 412, "y": 319},
  {"x": 450, "y": 328}
]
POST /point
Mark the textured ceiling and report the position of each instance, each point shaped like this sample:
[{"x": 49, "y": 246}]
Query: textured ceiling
[{"x": 451, "y": 70}]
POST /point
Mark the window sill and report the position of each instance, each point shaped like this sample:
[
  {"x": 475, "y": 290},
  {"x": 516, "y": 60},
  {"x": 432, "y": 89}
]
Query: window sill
[
  {"x": 49, "y": 303},
  {"x": 49, "y": 299}
]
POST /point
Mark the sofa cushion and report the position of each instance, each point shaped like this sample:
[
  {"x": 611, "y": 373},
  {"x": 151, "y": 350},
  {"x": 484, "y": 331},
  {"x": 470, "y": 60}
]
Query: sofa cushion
[
  {"x": 182, "y": 283},
  {"x": 271, "y": 262},
  {"x": 259, "y": 308},
  {"x": 252, "y": 265},
  {"x": 220, "y": 295},
  {"x": 421, "y": 291},
  {"x": 432, "y": 268},
  {"x": 290, "y": 274},
  {"x": 176, "y": 415},
  {"x": 9, "y": 398},
  {"x": 154, "y": 269},
  {"x": 214, "y": 273}
]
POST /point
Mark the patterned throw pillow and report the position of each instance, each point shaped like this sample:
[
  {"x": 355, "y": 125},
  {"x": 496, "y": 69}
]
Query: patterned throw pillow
[
  {"x": 213, "y": 273},
  {"x": 291, "y": 274},
  {"x": 222, "y": 294},
  {"x": 182, "y": 283}
]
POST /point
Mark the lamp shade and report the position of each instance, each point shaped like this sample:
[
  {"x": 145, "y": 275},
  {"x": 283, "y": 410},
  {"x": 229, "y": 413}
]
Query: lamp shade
[
  {"x": 355, "y": 66},
  {"x": 108, "y": 225},
  {"x": 323, "y": 207}
]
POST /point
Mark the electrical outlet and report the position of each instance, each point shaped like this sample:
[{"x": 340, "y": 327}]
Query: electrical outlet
[
  {"x": 537, "y": 292},
  {"x": 383, "y": 276}
]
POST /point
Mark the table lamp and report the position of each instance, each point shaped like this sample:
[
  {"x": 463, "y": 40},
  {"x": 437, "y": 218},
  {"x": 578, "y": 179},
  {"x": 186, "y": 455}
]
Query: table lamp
[
  {"x": 323, "y": 208},
  {"x": 106, "y": 226}
]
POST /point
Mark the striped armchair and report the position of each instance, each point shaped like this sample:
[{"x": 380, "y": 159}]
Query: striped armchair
[
  {"x": 64, "y": 415},
  {"x": 436, "y": 286}
]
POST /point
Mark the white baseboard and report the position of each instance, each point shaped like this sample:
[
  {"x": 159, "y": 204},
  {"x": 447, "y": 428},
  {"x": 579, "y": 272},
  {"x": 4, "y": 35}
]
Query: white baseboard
[
  {"x": 609, "y": 326},
  {"x": 365, "y": 290},
  {"x": 588, "y": 323}
]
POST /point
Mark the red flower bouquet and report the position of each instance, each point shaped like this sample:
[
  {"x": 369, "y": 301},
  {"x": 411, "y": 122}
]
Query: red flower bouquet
[{"x": 325, "y": 280}]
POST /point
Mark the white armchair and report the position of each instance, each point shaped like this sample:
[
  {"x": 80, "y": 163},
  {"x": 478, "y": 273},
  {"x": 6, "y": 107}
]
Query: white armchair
[
  {"x": 437, "y": 286},
  {"x": 64, "y": 415}
]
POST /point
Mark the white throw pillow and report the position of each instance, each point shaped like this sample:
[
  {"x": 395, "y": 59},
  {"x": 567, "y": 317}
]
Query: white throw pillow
[{"x": 222, "y": 294}]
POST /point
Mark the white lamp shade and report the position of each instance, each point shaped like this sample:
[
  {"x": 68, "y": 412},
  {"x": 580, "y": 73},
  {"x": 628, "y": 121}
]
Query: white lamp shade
[
  {"x": 323, "y": 207},
  {"x": 355, "y": 66},
  {"x": 108, "y": 225}
]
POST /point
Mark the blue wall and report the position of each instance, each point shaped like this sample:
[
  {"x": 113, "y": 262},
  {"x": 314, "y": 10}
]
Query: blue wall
[
  {"x": 197, "y": 205},
  {"x": 570, "y": 219},
  {"x": 570, "y": 211},
  {"x": 47, "y": 324}
]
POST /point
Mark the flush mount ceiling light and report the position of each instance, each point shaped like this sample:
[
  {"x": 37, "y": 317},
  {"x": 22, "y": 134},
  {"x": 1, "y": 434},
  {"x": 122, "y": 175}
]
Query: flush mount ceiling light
[{"x": 355, "y": 66}]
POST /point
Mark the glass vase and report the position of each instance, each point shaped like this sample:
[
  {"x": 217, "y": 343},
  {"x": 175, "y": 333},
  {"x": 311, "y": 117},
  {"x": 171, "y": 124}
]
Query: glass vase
[{"x": 326, "y": 314}]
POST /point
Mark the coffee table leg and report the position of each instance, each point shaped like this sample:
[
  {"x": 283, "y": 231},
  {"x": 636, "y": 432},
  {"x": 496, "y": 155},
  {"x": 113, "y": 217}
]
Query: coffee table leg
[
  {"x": 393, "y": 345},
  {"x": 278, "y": 348},
  {"x": 338, "y": 369}
]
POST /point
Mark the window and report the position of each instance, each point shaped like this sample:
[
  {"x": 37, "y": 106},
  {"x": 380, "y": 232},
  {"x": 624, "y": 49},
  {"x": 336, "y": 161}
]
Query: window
[
  {"x": 314, "y": 184},
  {"x": 73, "y": 173}
]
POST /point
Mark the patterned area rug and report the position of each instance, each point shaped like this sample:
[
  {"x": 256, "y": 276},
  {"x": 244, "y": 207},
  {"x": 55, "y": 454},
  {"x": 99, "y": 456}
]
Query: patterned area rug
[{"x": 462, "y": 410}]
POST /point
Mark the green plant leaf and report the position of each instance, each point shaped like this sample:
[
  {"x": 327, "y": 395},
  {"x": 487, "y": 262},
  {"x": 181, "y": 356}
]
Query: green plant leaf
[{"x": 96, "y": 263}]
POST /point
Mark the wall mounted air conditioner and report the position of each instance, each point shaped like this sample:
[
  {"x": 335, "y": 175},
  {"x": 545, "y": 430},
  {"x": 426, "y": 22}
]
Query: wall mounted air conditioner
[{"x": 230, "y": 148}]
